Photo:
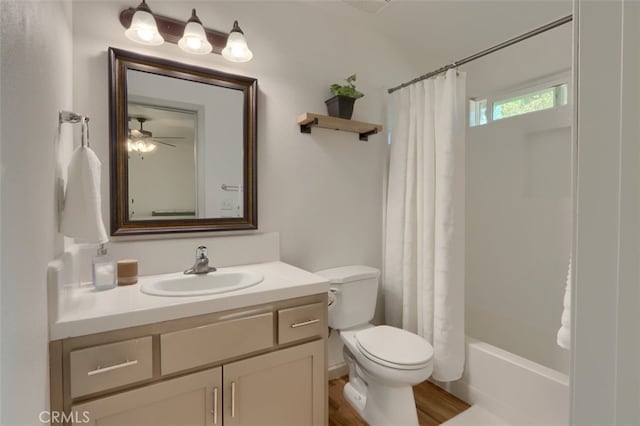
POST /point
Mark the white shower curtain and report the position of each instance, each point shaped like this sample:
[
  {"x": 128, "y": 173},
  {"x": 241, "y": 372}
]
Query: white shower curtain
[{"x": 424, "y": 221}]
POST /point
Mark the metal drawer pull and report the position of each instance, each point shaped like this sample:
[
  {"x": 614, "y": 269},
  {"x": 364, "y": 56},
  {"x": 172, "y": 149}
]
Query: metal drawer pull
[
  {"x": 215, "y": 406},
  {"x": 302, "y": 324},
  {"x": 111, "y": 368},
  {"x": 233, "y": 399}
]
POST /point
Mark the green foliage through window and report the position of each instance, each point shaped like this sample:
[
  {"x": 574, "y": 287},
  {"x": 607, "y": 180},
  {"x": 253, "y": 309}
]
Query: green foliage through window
[{"x": 529, "y": 102}]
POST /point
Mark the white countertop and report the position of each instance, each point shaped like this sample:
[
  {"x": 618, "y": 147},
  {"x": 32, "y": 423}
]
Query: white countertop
[{"x": 82, "y": 310}]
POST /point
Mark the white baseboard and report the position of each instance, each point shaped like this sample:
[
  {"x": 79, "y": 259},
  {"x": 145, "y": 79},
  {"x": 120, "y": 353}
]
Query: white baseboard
[{"x": 337, "y": 371}]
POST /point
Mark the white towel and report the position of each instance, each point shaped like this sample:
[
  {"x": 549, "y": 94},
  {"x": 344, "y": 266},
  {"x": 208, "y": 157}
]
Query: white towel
[
  {"x": 82, "y": 212},
  {"x": 564, "y": 334}
]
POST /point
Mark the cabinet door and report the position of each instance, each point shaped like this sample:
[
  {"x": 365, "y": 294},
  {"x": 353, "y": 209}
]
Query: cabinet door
[
  {"x": 193, "y": 400},
  {"x": 283, "y": 388}
]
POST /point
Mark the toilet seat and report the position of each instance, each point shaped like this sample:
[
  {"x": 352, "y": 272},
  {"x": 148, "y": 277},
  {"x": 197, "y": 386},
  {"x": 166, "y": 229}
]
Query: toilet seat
[{"x": 394, "y": 347}]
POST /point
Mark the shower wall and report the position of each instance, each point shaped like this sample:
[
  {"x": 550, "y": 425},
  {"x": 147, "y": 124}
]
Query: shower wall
[
  {"x": 519, "y": 233},
  {"x": 519, "y": 207}
]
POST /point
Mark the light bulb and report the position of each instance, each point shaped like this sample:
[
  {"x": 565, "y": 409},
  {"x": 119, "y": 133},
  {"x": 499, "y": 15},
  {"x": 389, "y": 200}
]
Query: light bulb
[
  {"x": 194, "y": 43},
  {"x": 194, "y": 38},
  {"x": 236, "y": 49},
  {"x": 145, "y": 34},
  {"x": 143, "y": 28}
]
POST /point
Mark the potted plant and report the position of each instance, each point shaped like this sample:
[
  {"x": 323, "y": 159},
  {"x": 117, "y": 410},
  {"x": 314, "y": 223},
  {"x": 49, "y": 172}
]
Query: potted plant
[{"x": 341, "y": 105}]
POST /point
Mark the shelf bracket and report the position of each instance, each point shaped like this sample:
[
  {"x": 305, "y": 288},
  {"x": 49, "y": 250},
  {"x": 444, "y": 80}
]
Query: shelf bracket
[
  {"x": 306, "y": 128},
  {"x": 365, "y": 135}
]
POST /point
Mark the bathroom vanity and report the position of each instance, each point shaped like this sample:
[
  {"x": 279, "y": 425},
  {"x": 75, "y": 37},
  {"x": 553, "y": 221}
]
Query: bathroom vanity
[{"x": 249, "y": 357}]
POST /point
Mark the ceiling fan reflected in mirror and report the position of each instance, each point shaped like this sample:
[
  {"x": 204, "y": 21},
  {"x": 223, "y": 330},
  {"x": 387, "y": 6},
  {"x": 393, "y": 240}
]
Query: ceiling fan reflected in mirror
[{"x": 142, "y": 141}]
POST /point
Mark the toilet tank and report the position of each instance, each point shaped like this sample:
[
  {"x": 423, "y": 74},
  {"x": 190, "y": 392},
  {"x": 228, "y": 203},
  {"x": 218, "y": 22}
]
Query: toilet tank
[{"x": 356, "y": 292}]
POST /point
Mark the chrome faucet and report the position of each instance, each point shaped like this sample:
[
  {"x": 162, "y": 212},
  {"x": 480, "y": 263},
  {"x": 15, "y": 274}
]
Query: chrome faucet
[{"x": 202, "y": 263}]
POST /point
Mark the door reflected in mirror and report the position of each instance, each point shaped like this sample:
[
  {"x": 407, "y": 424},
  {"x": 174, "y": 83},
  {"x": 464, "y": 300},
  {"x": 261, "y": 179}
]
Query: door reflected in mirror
[
  {"x": 183, "y": 140},
  {"x": 162, "y": 169}
]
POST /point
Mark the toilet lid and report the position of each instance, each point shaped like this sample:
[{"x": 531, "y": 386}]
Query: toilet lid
[{"x": 394, "y": 346}]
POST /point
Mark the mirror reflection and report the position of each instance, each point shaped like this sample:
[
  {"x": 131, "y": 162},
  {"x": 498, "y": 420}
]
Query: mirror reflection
[
  {"x": 183, "y": 144},
  {"x": 162, "y": 178},
  {"x": 184, "y": 147}
]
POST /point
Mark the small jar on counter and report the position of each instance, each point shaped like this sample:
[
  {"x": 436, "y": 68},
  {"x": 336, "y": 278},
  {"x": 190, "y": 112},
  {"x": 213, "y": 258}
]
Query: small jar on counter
[{"x": 127, "y": 272}]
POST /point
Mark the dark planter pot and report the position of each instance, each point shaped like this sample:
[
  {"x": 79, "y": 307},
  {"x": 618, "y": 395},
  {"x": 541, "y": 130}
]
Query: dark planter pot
[{"x": 340, "y": 106}]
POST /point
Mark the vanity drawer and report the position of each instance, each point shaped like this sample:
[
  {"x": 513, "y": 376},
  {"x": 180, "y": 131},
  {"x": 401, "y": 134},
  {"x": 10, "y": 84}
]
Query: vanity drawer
[
  {"x": 302, "y": 322},
  {"x": 108, "y": 366},
  {"x": 184, "y": 349}
]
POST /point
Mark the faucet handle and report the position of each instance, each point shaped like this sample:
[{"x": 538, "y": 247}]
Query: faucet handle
[{"x": 201, "y": 252}]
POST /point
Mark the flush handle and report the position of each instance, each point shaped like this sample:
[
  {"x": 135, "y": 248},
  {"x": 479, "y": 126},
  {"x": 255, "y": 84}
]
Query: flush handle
[{"x": 302, "y": 324}]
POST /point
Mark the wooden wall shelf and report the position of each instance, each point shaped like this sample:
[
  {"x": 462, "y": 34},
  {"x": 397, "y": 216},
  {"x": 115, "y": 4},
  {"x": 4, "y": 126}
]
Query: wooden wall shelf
[{"x": 364, "y": 130}]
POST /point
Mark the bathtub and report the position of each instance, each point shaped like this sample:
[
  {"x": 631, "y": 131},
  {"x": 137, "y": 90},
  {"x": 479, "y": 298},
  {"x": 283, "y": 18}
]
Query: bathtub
[{"x": 511, "y": 387}]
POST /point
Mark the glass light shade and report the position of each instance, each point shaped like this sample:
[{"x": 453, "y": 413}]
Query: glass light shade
[
  {"x": 236, "y": 49},
  {"x": 194, "y": 39},
  {"x": 143, "y": 29},
  {"x": 141, "y": 146}
]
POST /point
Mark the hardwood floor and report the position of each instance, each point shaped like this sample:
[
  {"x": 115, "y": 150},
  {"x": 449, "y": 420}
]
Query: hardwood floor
[{"x": 435, "y": 406}]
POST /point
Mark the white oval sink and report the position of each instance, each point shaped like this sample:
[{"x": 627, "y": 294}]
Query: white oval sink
[{"x": 198, "y": 285}]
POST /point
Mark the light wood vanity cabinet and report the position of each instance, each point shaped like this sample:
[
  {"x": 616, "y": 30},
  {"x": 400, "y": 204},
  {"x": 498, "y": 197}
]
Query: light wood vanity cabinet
[
  {"x": 191, "y": 400},
  {"x": 279, "y": 388},
  {"x": 260, "y": 365}
]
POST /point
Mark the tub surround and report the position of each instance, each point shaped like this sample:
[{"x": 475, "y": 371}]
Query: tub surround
[{"x": 491, "y": 375}]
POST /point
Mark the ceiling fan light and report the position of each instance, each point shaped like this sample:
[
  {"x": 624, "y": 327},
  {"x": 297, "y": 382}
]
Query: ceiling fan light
[
  {"x": 143, "y": 28},
  {"x": 236, "y": 49},
  {"x": 194, "y": 38},
  {"x": 148, "y": 147},
  {"x": 142, "y": 147}
]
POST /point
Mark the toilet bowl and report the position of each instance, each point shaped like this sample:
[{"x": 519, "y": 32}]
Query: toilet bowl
[{"x": 384, "y": 362}]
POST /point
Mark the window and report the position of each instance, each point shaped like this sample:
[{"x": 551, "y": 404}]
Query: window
[
  {"x": 538, "y": 100},
  {"x": 478, "y": 112}
]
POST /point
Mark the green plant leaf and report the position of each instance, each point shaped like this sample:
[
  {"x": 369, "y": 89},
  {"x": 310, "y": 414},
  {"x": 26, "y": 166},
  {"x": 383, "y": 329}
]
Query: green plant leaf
[{"x": 347, "y": 90}]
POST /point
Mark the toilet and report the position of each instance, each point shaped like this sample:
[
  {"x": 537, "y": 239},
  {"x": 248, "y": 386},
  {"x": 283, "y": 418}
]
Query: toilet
[{"x": 384, "y": 362}]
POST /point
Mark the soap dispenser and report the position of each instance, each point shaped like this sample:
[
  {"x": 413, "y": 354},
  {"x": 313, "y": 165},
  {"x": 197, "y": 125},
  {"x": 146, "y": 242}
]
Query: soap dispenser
[{"x": 104, "y": 270}]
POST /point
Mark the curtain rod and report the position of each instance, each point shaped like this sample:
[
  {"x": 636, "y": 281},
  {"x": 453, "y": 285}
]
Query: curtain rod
[{"x": 486, "y": 52}]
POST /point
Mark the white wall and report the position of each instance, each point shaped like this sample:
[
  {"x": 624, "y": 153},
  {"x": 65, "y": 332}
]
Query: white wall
[
  {"x": 519, "y": 208},
  {"x": 628, "y": 316},
  {"x": 519, "y": 214},
  {"x": 322, "y": 192},
  {"x": 606, "y": 342},
  {"x": 547, "y": 54},
  {"x": 36, "y": 83}
]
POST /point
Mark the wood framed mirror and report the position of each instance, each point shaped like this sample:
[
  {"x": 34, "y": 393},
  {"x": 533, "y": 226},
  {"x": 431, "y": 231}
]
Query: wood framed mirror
[{"x": 183, "y": 143}]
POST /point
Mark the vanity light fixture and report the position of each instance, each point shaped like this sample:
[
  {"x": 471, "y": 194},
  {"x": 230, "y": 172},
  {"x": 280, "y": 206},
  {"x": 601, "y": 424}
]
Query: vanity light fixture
[
  {"x": 236, "y": 49},
  {"x": 143, "y": 28},
  {"x": 194, "y": 39},
  {"x": 190, "y": 36}
]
